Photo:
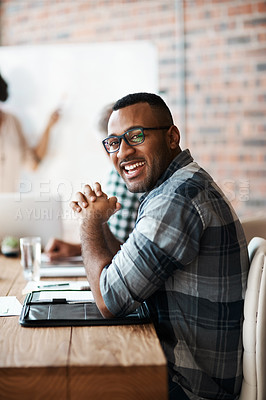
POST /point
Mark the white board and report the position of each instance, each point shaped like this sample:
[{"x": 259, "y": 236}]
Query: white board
[{"x": 81, "y": 79}]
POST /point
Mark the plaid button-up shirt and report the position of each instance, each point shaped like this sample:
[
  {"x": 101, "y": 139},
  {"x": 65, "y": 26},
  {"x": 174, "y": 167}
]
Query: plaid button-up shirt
[{"x": 187, "y": 258}]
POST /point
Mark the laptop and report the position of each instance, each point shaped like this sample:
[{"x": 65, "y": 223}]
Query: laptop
[{"x": 30, "y": 215}]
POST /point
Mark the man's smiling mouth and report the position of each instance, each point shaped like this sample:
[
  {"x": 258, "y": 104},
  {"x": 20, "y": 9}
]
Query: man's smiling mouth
[{"x": 134, "y": 168}]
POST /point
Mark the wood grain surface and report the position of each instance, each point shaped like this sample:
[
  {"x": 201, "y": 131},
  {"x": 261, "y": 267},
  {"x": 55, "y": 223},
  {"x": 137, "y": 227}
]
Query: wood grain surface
[{"x": 97, "y": 362}]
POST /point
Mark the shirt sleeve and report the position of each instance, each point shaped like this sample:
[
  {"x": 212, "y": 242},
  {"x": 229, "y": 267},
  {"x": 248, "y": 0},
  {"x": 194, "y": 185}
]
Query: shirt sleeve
[{"x": 164, "y": 239}]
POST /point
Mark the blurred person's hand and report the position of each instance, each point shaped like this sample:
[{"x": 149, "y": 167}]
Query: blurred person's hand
[
  {"x": 56, "y": 249},
  {"x": 54, "y": 117}
]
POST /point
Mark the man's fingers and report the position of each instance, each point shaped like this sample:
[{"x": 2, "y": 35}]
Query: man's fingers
[
  {"x": 98, "y": 190},
  {"x": 81, "y": 199},
  {"x": 89, "y": 193},
  {"x": 75, "y": 207},
  {"x": 81, "y": 202},
  {"x": 114, "y": 203},
  {"x": 117, "y": 206},
  {"x": 87, "y": 190},
  {"x": 93, "y": 193}
]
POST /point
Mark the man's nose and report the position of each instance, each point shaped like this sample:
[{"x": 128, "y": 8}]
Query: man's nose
[{"x": 125, "y": 149}]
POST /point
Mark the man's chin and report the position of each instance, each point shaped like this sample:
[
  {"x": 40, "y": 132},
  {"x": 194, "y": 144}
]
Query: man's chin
[
  {"x": 135, "y": 187},
  {"x": 132, "y": 189}
]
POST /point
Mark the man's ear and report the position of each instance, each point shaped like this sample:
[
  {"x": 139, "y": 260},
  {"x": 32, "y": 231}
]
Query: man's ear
[{"x": 173, "y": 137}]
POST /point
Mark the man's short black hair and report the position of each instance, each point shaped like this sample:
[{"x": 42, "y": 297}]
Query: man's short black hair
[{"x": 155, "y": 102}]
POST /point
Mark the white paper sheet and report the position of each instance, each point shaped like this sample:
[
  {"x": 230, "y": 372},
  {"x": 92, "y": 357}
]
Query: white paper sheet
[
  {"x": 9, "y": 305},
  {"x": 55, "y": 285},
  {"x": 61, "y": 271},
  {"x": 84, "y": 295}
]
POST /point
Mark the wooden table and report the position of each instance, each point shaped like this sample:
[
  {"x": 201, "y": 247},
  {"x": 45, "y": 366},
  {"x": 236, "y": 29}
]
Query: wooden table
[{"x": 105, "y": 362}]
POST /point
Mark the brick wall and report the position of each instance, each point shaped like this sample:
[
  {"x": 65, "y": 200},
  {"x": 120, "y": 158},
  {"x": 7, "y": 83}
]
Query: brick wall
[
  {"x": 226, "y": 95},
  {"x": 212, "y": 62}
]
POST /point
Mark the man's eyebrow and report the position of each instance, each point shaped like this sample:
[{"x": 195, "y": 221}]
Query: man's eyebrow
[{"x": 131, "y": 127}]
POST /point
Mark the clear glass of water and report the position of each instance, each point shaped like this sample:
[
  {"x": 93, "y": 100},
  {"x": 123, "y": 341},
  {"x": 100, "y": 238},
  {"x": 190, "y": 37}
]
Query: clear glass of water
[{"x": 30, "y": 248}]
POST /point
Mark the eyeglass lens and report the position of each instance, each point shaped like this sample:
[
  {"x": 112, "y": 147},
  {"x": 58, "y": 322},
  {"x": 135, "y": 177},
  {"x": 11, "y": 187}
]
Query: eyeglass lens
[{"x": 133, "y": 137}]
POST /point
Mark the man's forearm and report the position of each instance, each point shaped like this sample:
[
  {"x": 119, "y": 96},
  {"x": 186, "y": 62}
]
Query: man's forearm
[
  {"x": 113, "y": 243},
  {"x": 98, "y": 245},
  {"x": 96, "y": 255}
]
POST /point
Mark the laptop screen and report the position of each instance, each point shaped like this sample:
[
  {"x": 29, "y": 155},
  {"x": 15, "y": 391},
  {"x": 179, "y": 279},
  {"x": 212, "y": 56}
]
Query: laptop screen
[{"x": 29, "y": 215}]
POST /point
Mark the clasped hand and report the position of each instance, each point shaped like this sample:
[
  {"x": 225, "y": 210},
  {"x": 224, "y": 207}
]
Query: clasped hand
[{"x": 93, "y": 204}]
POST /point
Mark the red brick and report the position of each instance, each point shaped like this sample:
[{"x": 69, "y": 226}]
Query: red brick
[
  {"x": 262, "y": 7},
  {"x": 238, "y": 10}
]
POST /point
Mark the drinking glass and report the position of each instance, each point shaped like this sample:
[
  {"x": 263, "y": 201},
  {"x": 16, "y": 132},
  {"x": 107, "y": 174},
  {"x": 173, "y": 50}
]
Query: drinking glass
[{"x": 30, "y": 248}]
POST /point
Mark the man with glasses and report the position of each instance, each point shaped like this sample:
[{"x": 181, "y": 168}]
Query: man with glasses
[{"x": 186, "y": 258}]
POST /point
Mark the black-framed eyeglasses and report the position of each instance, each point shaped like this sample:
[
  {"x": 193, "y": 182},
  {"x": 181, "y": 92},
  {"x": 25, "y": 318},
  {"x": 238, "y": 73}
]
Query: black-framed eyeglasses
[{"x": 132, "y": 137}]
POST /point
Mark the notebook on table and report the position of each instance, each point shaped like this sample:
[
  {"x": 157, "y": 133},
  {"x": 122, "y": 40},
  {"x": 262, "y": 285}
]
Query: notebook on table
[{"x": 48, "y": 308}]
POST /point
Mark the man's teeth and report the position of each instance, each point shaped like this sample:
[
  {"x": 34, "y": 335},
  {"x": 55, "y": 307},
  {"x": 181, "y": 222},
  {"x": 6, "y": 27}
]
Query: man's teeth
[{"x": 133, "y": 166}]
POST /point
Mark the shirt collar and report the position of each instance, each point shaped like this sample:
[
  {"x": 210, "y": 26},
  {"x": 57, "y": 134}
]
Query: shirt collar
[{"x": 181, "y": 160}]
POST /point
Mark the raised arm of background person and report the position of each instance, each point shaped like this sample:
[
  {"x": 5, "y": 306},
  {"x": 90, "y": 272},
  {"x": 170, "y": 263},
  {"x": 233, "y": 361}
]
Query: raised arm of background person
[
  {"x": 41, "y": 148},
  {"x": 94, "y": 212}
]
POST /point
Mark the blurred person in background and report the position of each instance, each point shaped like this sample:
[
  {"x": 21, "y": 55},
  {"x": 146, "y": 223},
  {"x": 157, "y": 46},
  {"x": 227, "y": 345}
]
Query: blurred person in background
[
  {"x": 15, "y": 152},
  {"x": 122, "y": 223}
]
